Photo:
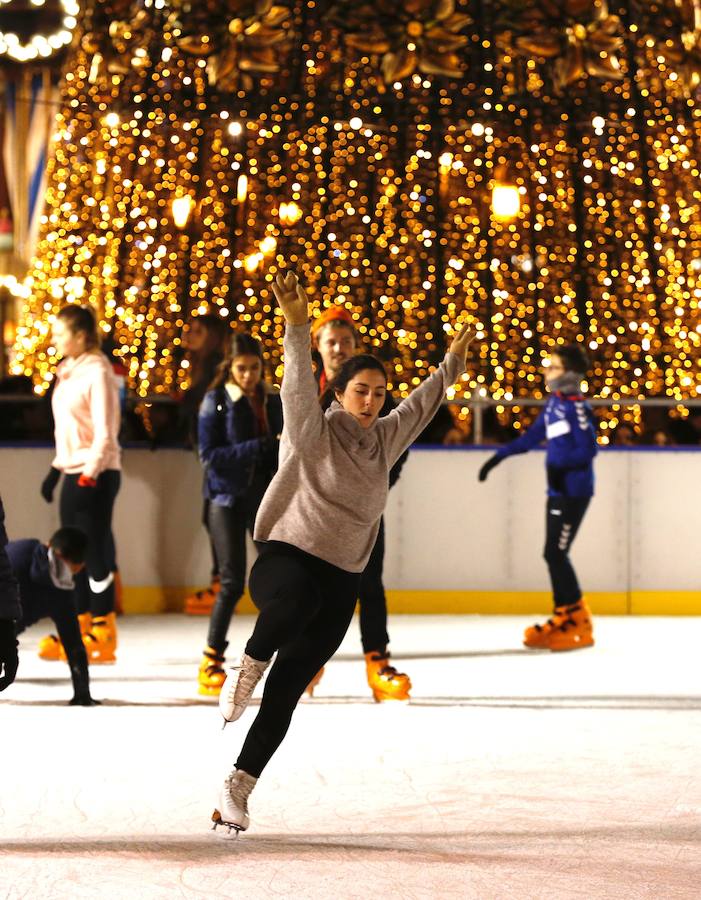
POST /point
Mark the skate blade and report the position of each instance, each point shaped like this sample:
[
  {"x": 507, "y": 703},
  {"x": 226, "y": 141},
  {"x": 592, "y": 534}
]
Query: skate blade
[{"x": 232, "y": 831}]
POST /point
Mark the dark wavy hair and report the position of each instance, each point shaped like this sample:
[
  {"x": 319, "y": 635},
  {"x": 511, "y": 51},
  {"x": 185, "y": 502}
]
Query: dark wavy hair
[
  {"x": 202, "y": 361},
  {"x": 71, "y": 543},
  {"x": 350, "y": 369},
  {"x": 242, "y": 344},
  {"x": 81, "y": 318},
  {"x": 574, "y": 359}
]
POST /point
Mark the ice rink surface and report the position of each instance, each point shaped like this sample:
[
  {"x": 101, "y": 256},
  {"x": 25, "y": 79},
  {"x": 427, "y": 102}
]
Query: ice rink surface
[{"x": 512, "y": 774}]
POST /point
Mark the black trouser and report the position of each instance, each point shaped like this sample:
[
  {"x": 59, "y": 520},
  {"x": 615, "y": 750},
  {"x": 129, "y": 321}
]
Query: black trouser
[
  {"x": 306, "y": 606},
  {"x": 564, "y": 516},
  {"x": 90, "y": 509},
  {"x": 373, "y": 603},
  {"x": 227, "y": 529},
  {"x": 205, "y": 521}
]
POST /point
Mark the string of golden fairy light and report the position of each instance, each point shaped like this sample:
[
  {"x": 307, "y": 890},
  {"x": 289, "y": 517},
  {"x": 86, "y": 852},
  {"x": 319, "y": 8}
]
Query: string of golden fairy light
[{"x": 410, "y": 205}]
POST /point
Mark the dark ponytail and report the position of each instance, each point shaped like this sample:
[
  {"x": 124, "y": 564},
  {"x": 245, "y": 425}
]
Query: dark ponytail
[{"x": 81, "y": 318}]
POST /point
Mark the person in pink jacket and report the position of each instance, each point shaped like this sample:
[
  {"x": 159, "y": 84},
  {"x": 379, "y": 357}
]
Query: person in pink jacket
[{"x": 85, "y": 406}]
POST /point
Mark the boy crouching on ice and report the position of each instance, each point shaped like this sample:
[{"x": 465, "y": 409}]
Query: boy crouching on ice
[{"x": 44, "y": 574}]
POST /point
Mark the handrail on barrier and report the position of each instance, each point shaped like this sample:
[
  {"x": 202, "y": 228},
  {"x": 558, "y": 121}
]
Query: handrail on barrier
[{"x": 476, "y": 405}]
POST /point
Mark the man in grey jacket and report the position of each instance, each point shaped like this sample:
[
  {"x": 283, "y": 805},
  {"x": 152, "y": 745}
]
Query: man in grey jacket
[{"x": 9, "y": 612}]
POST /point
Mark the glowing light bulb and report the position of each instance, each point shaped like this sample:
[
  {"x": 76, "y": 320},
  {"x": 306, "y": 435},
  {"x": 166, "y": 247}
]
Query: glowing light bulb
[
  {"x": 506, "y": 201},
  {"x": 290, "y": 213},
  {"x": 181, "y": 208}
]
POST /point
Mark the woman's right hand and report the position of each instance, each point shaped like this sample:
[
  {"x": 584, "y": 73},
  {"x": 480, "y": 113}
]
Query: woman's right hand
[{"x": 291, "y": 299}]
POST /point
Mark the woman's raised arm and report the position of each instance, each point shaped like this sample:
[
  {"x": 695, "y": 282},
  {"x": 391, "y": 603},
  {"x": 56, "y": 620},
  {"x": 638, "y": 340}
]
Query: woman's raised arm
[{"x": 302, "y": 413}]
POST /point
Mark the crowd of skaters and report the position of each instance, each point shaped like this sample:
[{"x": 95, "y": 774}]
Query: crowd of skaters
[{"x": 286, "y": 473}]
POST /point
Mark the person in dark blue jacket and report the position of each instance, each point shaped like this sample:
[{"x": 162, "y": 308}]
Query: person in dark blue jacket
[
  {"x": 44, "y": 574},
  {"x": 9, "y": 612},
  {"x": 239, "y": 425},
  {"x": 567, "y": 425}
]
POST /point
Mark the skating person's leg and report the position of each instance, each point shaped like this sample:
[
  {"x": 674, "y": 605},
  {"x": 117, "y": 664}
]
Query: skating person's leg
[
  {"x": 564, "y": 517},
  {"x": 227, "y": 529},
  {"x": 100, "y": 550},
  {"x": 205, "y": 521},
  {"x": 284, "y": 588},
  {"x": 570, "y": 627},
  {"x": 373, "y": 603},
  {"x": 96, "y": 505},
  {"x": 201, "y": 603},
  {"x": 74, "y": 514},
  {"x": 296, "y": 663},
  {"x": 385, "y": 682}
]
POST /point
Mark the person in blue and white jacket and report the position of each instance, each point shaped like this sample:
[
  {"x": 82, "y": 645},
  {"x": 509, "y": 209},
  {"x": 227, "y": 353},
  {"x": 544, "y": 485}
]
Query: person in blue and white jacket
[
  {"x": 239, "y": 424},
  {"x": 567, "y": 425}
]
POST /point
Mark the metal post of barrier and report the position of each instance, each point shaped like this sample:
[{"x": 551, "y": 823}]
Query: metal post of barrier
[{"x": 477, "y": 422}]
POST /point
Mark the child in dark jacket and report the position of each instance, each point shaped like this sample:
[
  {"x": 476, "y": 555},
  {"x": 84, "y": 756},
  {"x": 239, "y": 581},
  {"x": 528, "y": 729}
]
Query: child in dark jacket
[
  {"x": 567, "y": 425},
  {"x": 240, "y": 421},
  {"x": 44, "y": 574}
]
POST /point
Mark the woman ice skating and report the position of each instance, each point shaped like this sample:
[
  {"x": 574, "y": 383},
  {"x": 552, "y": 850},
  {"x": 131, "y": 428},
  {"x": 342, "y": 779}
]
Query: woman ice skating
[
  {"x": 319, "y": 521},
  {"x": 567, "y": 424},
  {"x": 240, "y": 422},
  {"x": 85, "y": 405}
]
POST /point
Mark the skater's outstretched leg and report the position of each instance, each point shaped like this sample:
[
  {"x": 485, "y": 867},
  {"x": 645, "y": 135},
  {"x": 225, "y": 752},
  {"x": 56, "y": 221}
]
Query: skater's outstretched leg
[
  {"x": 284, "y": 589},
  {"x": 296, "y": 664}
]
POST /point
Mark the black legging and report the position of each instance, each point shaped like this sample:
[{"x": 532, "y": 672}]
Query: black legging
[
  {"x": 227, "y": 530},
  {"x": 90, "y": 509},
  {"x": 306, "y": 606},
  {"x": 564, "y": 516},
  {"x": 373, "y": 602}
]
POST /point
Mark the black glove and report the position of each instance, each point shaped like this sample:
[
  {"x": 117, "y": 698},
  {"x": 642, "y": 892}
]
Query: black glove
[
  {"x": 48, "y": 485},
  {"x": 9, "y": 659},
  {"x": 491, "y": 463},
  {"x": 84, "y": 700}
]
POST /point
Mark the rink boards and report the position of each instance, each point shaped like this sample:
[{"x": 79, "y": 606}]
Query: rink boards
[{"x": 453, "y": 545}]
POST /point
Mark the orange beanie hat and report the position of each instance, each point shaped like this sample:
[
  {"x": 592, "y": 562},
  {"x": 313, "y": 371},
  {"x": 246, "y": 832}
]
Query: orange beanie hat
[{"x": 332, "y": 314}]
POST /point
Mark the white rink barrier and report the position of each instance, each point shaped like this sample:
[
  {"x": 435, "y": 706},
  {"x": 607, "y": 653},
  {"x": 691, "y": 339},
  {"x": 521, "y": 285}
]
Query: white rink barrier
[{"x": 453, "y": 545}]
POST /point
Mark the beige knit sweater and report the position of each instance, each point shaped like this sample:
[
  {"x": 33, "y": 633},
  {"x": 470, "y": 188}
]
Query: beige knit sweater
[{"x": 331, "y": 486}]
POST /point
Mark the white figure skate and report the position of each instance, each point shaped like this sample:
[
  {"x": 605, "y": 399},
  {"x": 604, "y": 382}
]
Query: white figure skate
[
  {"x": 238, "y": 688},
  {"x": 232, "y": 812}
]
